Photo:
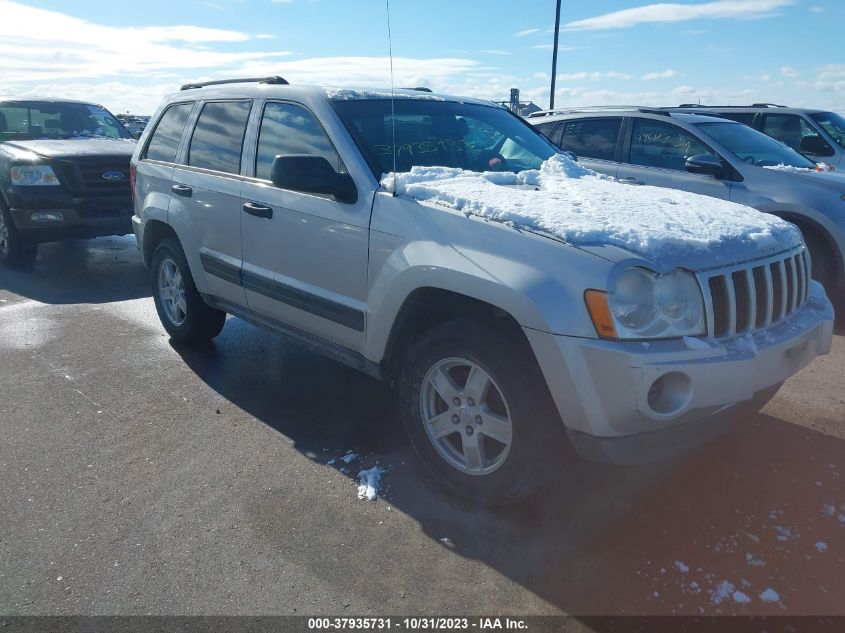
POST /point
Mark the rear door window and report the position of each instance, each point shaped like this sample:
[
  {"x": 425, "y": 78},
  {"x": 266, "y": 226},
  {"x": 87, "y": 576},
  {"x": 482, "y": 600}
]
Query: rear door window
[
  {"x": 591, "y": 138},
  {"x": 663, "y": 145},
  {"x": 218, "y": 137},
  {"x": 165, "y": 139},
  {"x": 746, "y": 118}
]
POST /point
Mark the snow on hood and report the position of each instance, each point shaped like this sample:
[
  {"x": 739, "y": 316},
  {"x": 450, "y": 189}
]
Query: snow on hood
[{"x": 585, "y": 208}]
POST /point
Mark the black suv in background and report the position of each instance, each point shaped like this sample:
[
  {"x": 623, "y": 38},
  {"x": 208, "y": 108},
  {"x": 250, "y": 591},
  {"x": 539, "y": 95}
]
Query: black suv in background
[{"x": 64, "y": 173}]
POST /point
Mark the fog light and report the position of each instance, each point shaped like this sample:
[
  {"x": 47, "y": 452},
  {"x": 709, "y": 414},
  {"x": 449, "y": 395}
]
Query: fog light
[
  {"x": 670, "y": 393},
  {"x": 47, "y": 216}
]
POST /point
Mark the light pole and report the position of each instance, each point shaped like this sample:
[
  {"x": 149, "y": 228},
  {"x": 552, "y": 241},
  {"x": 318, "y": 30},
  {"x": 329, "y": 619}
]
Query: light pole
[{"x": 554, "y": 57}]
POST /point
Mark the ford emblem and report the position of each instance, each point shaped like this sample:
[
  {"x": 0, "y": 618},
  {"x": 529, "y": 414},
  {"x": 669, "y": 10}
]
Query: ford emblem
[{"x": 113, "y": 176}]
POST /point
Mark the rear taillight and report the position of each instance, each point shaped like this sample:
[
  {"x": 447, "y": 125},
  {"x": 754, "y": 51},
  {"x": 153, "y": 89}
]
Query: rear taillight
[{"x": 132, "y": 174}]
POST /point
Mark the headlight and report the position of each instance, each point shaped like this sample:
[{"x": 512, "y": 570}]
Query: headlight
[
  {"x": 33, "y": 175},
  {"x": 644, "y": 304}
]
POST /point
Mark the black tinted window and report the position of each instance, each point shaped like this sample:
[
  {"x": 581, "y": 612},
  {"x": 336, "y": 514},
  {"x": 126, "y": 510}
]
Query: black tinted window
[
  {"x": 797, "y": 133},
  {"x": 291, "y": 129},
  {"x": 663, "y": 145},
  {"x": 219, "y": 136},
  {"x": 746, "y": 118},
  {"x": 165, "y": 139},
  {"x": 592, "y": 138}
]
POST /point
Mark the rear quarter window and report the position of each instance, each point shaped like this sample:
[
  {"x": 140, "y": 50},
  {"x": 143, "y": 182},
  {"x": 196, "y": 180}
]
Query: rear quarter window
[{"x": 165, "y": 138}]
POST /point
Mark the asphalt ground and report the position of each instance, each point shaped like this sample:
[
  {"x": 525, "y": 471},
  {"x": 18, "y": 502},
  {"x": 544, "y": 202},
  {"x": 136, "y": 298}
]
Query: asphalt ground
[{"x": 139, "y": 477}]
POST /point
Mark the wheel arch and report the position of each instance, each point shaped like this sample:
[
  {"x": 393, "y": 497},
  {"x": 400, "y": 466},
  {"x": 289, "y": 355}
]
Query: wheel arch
[
  {"x": 426, "y": 307},
  {"x": 809, "y": 226},
  {"x": 154, "y": 232}
]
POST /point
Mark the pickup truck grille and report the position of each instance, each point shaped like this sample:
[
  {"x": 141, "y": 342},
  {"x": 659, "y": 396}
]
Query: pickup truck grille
[
  {"x": 87, "y": 177},
  {"x": 753, "y": 297}
]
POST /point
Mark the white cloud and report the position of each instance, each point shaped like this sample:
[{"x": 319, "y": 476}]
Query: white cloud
[
  {"x": 663, "y": 74},
  {"x": 495, "y": 51},
  {"x": 816, "y": 8},
  {"x": 526, "y": 32},
  {"x": 675, "y": 12},
  {"x": 38, "y": 45},
  {"x": 594, "y": 76},
  {"x": 788, "y": 71}
]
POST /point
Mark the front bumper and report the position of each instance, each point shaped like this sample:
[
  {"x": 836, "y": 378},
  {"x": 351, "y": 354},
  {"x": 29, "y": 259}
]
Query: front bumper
[
  {"x": 613, "y": 393},
  {"x": 81, "y": 216}
]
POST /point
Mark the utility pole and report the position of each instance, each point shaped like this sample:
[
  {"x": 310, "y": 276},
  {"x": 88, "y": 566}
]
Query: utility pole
[{"x": 554, "y": 57}]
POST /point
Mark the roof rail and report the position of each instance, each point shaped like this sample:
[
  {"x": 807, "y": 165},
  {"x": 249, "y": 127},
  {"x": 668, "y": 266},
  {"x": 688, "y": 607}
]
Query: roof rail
[
  {"x": 753, "y": 105},
  {"x": 606, "y": 108},
  {"x": 261, "y": 80},
  {"x": 418, "y": 89}
]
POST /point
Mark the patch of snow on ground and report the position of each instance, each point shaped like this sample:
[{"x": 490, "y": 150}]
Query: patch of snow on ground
[
  {"x": 754, "y": 562},
  {"x": 740, "y": 597},
  {"x": 829, "y": 509},
  {"x": 770, "y": 595},
  {"x": 722, "y": 592},
  {"x": 784, "y": 533},
  {"x": 681, "y": 567},
  {"x": 349, "y": 457},
  {"x": 821, "y": 546},
  {"x": 368, "y": 483},
  {"x": 585, "y": 208}
]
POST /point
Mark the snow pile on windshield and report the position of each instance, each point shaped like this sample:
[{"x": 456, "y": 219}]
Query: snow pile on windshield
[{"x": 584, "y": 208}]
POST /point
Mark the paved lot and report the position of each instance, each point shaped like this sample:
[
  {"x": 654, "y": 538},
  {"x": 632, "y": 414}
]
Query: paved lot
[{"x": 142, "y": 478}]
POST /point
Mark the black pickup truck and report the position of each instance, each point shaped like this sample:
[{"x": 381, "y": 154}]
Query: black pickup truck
[{"x": 64, "y": 174}]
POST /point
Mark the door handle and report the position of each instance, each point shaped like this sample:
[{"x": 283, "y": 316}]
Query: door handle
[
  {"x": 630, "y": 181},
  {"x": 258, "y": 210},
  {"x": 182, "y": 190}
]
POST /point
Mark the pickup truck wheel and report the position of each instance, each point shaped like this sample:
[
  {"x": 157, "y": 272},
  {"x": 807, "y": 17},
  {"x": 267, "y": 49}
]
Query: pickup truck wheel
[
  {"x": 183, "y": 313},
  {"x": 15, "y": 249},
  {"x": 477, "y": 411}
]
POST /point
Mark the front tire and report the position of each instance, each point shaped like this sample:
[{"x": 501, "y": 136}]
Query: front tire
[
  {"x": 478, "y": 413},
  {"x": 181, "y": 309},
  {"x": 16, "y": 250}
]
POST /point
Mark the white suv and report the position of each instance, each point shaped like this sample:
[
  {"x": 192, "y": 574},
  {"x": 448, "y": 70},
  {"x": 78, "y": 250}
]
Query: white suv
[{"x": 441, "y": 243}]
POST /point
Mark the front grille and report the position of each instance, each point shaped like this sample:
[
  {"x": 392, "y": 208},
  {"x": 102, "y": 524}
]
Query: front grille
[
  {"x": 87, "y": 177},
  {"x": 753, "y": 297}
]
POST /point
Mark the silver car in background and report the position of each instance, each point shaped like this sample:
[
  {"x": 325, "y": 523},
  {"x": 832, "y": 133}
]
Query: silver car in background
[
  {"x": 817, "y": 134},
  {"x": 715, "y": 157}
]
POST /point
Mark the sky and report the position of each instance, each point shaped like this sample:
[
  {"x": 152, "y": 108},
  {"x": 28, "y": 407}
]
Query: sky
[{"x": 127, "y": 55}]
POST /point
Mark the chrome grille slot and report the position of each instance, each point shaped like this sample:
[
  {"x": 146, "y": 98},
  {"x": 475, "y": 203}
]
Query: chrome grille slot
[
  {"x": 749, "y": 298},
  {"x": 778, "y": 291},
  {"x": 763, "y": 293},
  {"x": 791, "y": 284},
  {"x": 719, "y": 293},
  {"x": 744, "y": 302}
]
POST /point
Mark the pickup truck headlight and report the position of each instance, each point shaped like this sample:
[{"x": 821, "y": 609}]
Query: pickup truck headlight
[
  {"x": 33, "y": 175},
  {"x": 644, "y": 304}
]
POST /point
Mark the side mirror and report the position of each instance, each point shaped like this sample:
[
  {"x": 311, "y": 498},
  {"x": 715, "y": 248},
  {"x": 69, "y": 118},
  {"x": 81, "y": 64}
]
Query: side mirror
[
  {"x": 815, "y": 145},
  {"x": 706, "y": 164},
  {"x": 312, "y": 174}
]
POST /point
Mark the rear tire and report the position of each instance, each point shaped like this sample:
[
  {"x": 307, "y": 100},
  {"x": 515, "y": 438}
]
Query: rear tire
[
  {"x": 478, "y": 413},
  {"x": 16, "y": 250},
  {"x": 181, "y": 309}
]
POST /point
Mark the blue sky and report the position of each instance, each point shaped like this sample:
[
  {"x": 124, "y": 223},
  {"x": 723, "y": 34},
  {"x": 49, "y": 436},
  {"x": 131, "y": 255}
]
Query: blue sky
[{"x": 126, "y": 55}]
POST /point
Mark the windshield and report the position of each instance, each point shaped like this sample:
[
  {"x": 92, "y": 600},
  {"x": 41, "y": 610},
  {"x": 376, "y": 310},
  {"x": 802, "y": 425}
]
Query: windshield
[
  {"x": 753, "y": 147},
  {"x": 442, "y": 133},
  {"x": 30, "y": 120},
  {"x": 833, "y": 124}
]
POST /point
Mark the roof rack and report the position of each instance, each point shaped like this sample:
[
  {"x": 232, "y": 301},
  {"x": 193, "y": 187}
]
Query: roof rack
[
  {"x": 261, "y": 80},
  {"x": 542, "y": 113},
  {"x": 418, "y": 89}
]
